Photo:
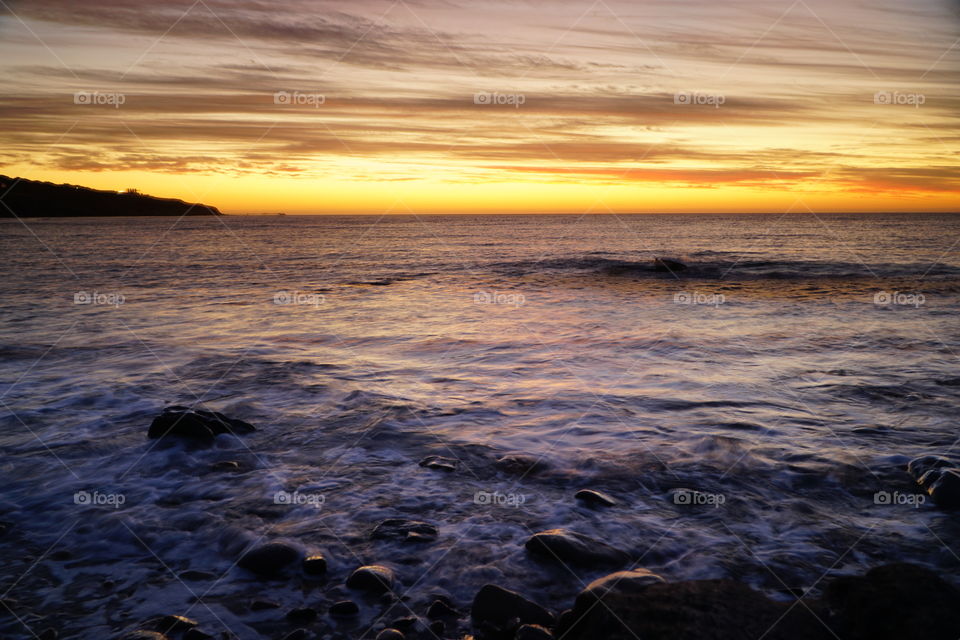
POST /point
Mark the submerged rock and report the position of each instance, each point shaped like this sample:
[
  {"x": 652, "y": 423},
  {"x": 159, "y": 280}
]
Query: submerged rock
[
  {"x": 344, "y": 609},
  {"x": 441, "y": 609},
  {"x": 502, "y": 607},
  {"x": 920, "y": 466},
  {"x": 391, "y": 634},
  {"x": 594, "y": 498},
  {"x": 374, "y": 578},
  {"x": 405, "y": 530},
  {"x": 439, "y": 463},
  {"x": 519, "y": 464},
  {"x": 195, "y": 424},
  {"x": 533, "y": 632},
  {"x": 270, "y": 559},
  {"x": 171, "y": 624},
  {"x": 569, "y": 546},
  {"x": 143, "y": 634},
  {"x": 668, "y": 264}
]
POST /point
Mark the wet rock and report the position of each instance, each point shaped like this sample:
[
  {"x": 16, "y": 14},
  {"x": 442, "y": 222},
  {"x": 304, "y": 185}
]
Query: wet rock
[
  {"x": 632, "y": 581},
  {"x": 919, "y": 466},
  {"x": 945, "y": 490},
  {"x": 270, "y": 559},
  {"x": 533, "y": 632},
  {"x": 196, "y": 424},
  {"x": 694, "y": 610},
  {"x": 391, "y": 634},
  {"x": 374, "y": 578},
  {"x": 225, "y": 465},
  {"x": 575, "y": 548},
  {"x": 315, "y": 565},
  {"x": 501, "y": 607},
  {"x": 171, "y": 624},
  {"x": 197, "y": 634},
  {"x": 261, "y": 605},
  {"x": 48, "y": 634},
  {"x": 302, "y": 615},
  {"x": 437, "y": 628},
  {"x": 143, "y": 634},
  {"x": 297, "y": 634},
  {"x": 439, "y": 463},
  {"x": 441, "y": 609},
  {"x": 668, "y": 265},
  {"x": 61, "y": 555},
  {"x": 406, "y": 623},
  {"x": 344, "y": 609},
  {"x": 594, "y": 498},
  {"x": 405, "y": 530},
  {"x": 895, "y": 601},
  {"x": 518, "y": 464}
]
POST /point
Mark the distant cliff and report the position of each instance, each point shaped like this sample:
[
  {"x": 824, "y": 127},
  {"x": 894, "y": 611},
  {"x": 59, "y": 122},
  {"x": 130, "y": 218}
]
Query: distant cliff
[{"x": 33, "y": 199}]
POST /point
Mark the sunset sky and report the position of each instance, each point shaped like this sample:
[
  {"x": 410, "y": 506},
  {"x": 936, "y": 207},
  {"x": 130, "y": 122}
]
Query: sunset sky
[{"x": 373, "y": 106}]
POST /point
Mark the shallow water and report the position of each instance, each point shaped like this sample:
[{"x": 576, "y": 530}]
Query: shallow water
[{"x": 788, "y": 376}]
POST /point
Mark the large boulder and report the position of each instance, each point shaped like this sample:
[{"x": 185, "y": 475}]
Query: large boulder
[
  {"x": 571, "y": 547},
  {"x": 195, "y": 424},
  {"x": 271, "y": 559},
  {"x": 374, "y": 578},
  {"x": 645, "y": 607},
  {"x": 503, "y": 609},
  {"x": 895, "y": 601}
]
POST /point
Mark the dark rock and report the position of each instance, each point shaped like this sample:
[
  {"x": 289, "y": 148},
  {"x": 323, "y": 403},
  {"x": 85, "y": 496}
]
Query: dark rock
[
  {"x": 225, "y": 465},
  {"x": 171, "y": 624},
  {"x": 143, "y": 634},
  {"x": 575, "y": 548},
  {"x": 500, "y": 606},
  {"x": 437, "y": 628},
  {"x": 439, "y": 463},
  {"x": 533, "y": 632},
  {"x": 632, "y": 581},
  {"x": 197, "y": 634},
  {"x": 344, "y": 609},
  {"x": 594, "y": 498},
  {"x": 302, "y": 615},
  {"x": 694, "y": 610},
  {"x": 405, "y": 530},
  {"x": 374, "y": 578},
  {"x": 261, "y": 605},
  {"x": 197, "y": 424},
  {"x": 441, "y": 609},
  {"x": 919, "y": 466},
  {"x": 518, "y": 464},
  {"x": 896, "y": 601},
  {"x": 61, "y": 555},
  {"x": 315, "y": 565},
  {"x": 270, "y": 559},
  {"x": 668, "y": 265},
  {"x": 405, "y": 623},
  {"x": 48, "y": 634},
  {"x": 297, "y": 634},
  {"x": 945, "y": 490},
  {"x": 391, "y": 634}
]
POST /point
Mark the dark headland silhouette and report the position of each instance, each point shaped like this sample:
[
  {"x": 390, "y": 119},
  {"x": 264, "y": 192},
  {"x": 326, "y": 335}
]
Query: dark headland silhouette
[{"x": 33, "y": 199}]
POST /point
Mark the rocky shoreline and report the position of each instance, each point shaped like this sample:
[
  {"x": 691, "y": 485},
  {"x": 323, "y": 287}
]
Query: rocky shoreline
[{"x": 350, "y": 599}]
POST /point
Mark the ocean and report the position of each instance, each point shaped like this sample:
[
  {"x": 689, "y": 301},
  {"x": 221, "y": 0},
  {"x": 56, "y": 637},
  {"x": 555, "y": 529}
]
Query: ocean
[{"x": 751, "y": 415}]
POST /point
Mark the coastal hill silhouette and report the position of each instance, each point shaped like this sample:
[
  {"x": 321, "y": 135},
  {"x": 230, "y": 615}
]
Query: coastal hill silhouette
[{"x": 24, "y": 198}]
